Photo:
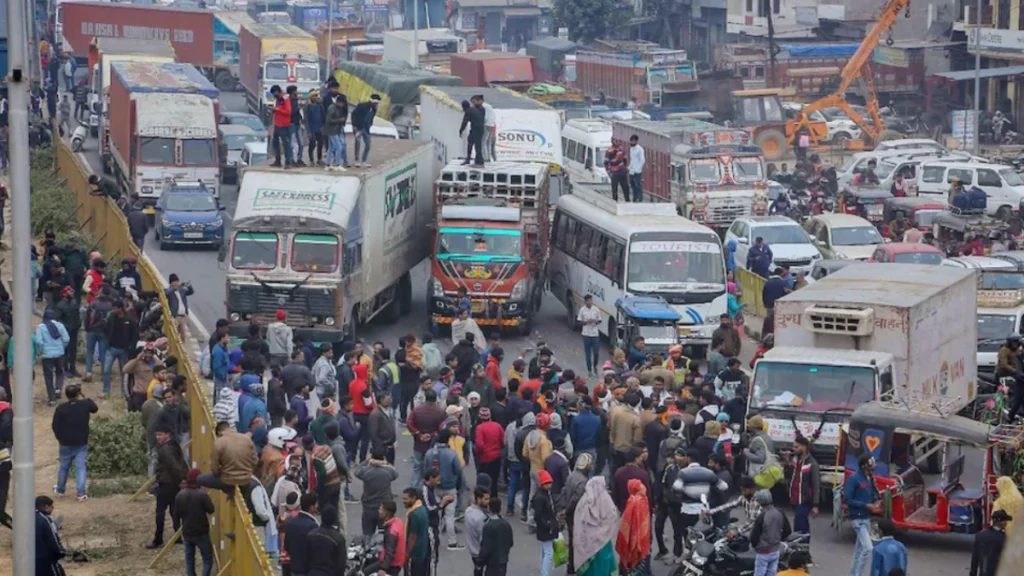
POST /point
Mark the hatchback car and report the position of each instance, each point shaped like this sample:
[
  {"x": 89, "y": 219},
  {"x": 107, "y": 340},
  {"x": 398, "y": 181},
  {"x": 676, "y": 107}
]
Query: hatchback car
[
  {"x": 907, "y": 253},
  {"x": 244, "y": 118},
  {"x": 187, "y": 214},
  {"x": 788, "y": 242},
  {"x": 844, "y": 236}
]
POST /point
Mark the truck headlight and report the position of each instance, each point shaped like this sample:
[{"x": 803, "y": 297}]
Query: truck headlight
[
  {"x": 711, "y": 320},
  {"x": 147, "y": 189},
  {"x": 329, "y": 321},
  {"x": 235, "y": 317},
  {"x": 518, "y": 291},
  {"x": 436, "y": 289}
]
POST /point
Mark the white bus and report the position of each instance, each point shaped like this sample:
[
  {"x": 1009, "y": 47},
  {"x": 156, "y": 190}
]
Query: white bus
[
  {"x": 609, "y": 249},
  {"x": 584, "y": 142}
]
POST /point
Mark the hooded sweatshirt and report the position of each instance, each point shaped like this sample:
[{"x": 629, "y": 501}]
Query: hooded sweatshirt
[
  {"x": 362, "y": 397},
  {"x": 280, "y": 339},
  {"x": 538, "y": 446},
  {"x": 226, "y": 409},
  {"x": 254, "y": 406},
  {"x": 433, "y": 360},
  {"x": 730, "y": 256}
]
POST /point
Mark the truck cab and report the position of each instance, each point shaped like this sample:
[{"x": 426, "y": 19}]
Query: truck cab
[{"x": 716, "y": 185}]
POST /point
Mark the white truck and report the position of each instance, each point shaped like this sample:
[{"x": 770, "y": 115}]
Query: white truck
[
  {"x": 334, "y": 250},
  {"x": 436, "y": 45},
  {"x": 1000, "y": 313},
  {"x": 902, "y": 332}
]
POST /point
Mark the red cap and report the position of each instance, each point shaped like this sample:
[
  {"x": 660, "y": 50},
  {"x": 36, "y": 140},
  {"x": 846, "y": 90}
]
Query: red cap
[
  {"x": 281, "y": 315},
  {"x": 543, "y": 477}
]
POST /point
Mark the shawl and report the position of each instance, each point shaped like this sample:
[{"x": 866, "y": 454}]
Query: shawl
[
  {"x": 1009, "y": 500},
  {"x": 595, "y": 521},
  {"x": 634, "y": 541}
]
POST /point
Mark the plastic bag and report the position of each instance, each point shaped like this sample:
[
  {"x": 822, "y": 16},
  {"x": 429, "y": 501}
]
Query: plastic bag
[{"x": 561, "y": 551}]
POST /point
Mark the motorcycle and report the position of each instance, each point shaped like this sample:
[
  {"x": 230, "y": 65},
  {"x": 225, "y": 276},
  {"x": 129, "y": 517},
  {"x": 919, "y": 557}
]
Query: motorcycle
[
  {"x": 363, "y": 553},
  {"x": 78, "y": 137}
]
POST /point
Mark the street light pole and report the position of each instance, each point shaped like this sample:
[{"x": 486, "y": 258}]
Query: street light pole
[
  {"x": 415, "y": 34},
  {"x": 977, "y": 81},
  {"x": 21, "y": 240}
]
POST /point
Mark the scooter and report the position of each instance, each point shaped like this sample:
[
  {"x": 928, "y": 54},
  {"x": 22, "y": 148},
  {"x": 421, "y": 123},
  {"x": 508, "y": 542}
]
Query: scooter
[
  {"x": 363, "y": 554},
  {"x": 78, "y": 137}
]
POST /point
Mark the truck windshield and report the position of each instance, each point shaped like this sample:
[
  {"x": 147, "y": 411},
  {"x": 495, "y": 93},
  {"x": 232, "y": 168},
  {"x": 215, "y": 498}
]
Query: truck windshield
[
  {"x": 707, "y": 171},
  {"x": 157, "y": 151},
  {"x": 747, "y": 169},
  {"x": 993, "y": 330},
  {"x": 253, "y": 251},
  {"x": 479, "y": 245},
  {"x": 198, "y": 152},
  {"x": 275, "y": 71},
  {"x": 307, "y": 72},
  {"x": 675, "y": 262},
  {"x": 811, "y": 387},
  {"x": 991, "y": 280},
  {"x": 315, "y": 253}
]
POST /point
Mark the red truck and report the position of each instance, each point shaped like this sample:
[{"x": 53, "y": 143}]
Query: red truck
[
  {"x": 485, "y": 69},
  {"x": 190, "y": 32},
  {"x": 649, "y": 77}
]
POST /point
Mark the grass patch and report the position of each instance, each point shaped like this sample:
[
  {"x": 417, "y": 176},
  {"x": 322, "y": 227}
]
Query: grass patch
[{"x": 105, "y": 487}]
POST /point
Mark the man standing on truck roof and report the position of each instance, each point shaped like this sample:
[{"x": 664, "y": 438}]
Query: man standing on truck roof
[
  {"x": 362, "y": 121},
  {"x": 295, "y": 137},
  {"x": 637, "y": 160},
  {"x": 315, "y": 118},
  {"x": 473, "y": 115},
  {"x": 490, "y": 130},
  {"x": 616, "y": 166},
  {"x": 281, "y": 142}
]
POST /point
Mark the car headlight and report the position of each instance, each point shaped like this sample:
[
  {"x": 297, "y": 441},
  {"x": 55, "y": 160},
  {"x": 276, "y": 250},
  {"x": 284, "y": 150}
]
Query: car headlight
[
  {"x": 147, "y": 189},
  {"x": 815, "y": 256},
  {"x": 217, "y": 223},
  {"x": 436, "y": 289},
  {"x": 329, "y": 321},
  {"x": 518, "y": 291},
  {"x": 166, "y": 223}
]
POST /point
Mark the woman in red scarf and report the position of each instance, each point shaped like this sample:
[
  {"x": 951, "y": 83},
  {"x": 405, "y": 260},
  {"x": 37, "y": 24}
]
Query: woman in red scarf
[{"x": 634, "y": 542}]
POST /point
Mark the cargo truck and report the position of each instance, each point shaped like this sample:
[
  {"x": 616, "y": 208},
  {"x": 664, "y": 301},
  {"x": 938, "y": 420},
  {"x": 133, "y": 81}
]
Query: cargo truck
[
  {"x": 436, "y": 45},
  {"x": 902, "y": 333},
  {"x": 552, "y": 53},
  {"x": 654, "y": 76},
  {"x": 308, "y": 15},
  {"x": 101, "y": 54},
  {"x": 165, "y": 128},
  {"x": 338, "y": 36},
  {"x": 482, "y": 69},
  {"x": 491, "y": 238},
  {"x": 333, "y": 250},
  {"x": 226, "y": 26},
  {"x": 280, "y": 54},
  {"x": 1000, "y": 313}
]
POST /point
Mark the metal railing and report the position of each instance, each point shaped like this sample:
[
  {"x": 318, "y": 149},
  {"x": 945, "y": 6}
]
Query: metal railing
[
  {"x": 752, "y": 286},
  {"x": 237, "y": 546}
]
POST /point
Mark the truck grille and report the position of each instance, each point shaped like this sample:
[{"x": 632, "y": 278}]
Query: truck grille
[
  {"x": 302, "y": 304},
  {"x": 729, "y": 213}
]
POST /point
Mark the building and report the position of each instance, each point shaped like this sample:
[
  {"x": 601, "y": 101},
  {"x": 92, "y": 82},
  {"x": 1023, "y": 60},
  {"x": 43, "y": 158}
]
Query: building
[
  {"x": 509, "y": 22},
  {"x": 1001, "y": 44}
]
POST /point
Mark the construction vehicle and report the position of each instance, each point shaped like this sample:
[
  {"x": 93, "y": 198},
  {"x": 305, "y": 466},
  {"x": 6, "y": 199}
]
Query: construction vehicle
[{"x": 761, "y": 112}]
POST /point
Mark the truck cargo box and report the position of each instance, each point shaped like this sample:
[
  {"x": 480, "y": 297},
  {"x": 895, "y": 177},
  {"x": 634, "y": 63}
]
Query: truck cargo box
[
  {"x": 397, "y": 85},
  {"x": 494, "y": 68}
]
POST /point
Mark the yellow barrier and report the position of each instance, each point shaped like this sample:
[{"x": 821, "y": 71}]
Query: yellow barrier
[
  {"x": 752, "y": 286},
  {"x": 237, "y": 546}
]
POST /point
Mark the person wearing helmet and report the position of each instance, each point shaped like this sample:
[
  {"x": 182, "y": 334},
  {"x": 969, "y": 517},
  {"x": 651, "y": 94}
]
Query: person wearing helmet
[
  {"x": 273, "y": 456},
  {"x": 1008, "y": 366}
]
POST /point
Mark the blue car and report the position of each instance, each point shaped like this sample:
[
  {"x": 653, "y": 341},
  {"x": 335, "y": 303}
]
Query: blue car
[{"x": 189, "y": 215}]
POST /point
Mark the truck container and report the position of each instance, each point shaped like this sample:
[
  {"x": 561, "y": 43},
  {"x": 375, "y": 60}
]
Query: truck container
[
  {"x": 101, "y": 55},
  {"x": 528, "y": 131},
  {"x": 491, "y": 238},
  {"x": 902, "y": 333},
  {"x": 436, "y": 45},
  {"x": 351, "y": 241},
  {"x": 190, "y": 32},
  {"x": 226, "y": 26},
  {"x": 270, "y": 54},
  {"x": 1000, "y": 309},
  {"x": 308, "y": 15},
  {"x": 165, "y": 128},
  {"x": 483, "y": 69},
  {"x": 652, "y": 76},
  {"x": 338, "y": 36},
  {"x": 397, "y": 85},
  {"x": 550, "y": 53}
]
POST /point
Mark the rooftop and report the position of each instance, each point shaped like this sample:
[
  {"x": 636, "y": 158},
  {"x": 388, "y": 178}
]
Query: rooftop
[
  {"x": 901, "y": 285},
  {"x": 382, "y": 151},
  {"x": 494, "y": 96}
]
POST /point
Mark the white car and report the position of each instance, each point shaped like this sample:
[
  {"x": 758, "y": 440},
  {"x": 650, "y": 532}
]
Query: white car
[
  {"x": 840, "y": 128},
  {"x": 910, "y": 144},
  {"x": 844, "y": 236},
  {"x": 789, "y": 243}
]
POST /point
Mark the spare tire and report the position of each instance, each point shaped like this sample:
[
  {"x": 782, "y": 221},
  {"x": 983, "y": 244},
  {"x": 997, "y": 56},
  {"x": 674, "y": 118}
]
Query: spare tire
[{"x": 772, "y": 143}]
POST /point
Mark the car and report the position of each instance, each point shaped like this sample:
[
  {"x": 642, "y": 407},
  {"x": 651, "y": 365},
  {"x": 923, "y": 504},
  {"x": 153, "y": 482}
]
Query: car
[
  {"x": 1002, "y": 185},
  {"x": 887, "y": 164},
  {"x": 188, "y": 214},
  {"x": 254, "y": 154},
  {"x": 844, "y": 236},
  {"x": 789, "y": 243},
  {"x": 823, "y": 268},
  {"x": 1015, "y": 257},
  {"x": 233, "y": 138},
  {"x": 250, "y": 120},
  {"x": 981, "y": 262},
  {"x": 923, "y": 144},
  {"x": 907, "y": 253}
]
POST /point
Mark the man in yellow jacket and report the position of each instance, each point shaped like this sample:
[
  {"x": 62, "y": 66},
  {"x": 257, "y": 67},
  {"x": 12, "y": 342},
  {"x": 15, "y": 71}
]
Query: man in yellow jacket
[{"x": 536, "y": 449}]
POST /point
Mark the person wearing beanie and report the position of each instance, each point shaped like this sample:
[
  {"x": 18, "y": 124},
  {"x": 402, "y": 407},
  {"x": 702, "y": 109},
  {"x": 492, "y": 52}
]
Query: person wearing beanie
[
  {"x": 767, "y": 534},
  {"x": 542, "y": 504},
  {"x": 192, "y": 509},
  {"x": 675, "y": 440},
  {"x": 488, "y": 444},
  {"x": 280, "y": 339},
  {"x": 536, "y": 449},
  {"x": 760, "y": 448}
]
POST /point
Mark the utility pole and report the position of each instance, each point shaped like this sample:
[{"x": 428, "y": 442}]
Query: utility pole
[
  {"x": 330, "y": 41},
  {"x": 977, "y": 81},
  {"x": 771, "y": 43},
  {"x": 21, "y": 240},
  {"x": 416, "y": 33}
]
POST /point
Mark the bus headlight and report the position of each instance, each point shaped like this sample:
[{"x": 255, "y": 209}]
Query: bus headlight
[
  {"x": 518, "y": 291},
  {"x": 436, "y": 289}
]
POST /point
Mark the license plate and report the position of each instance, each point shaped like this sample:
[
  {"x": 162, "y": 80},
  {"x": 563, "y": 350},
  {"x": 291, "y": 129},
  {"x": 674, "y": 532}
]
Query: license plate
[
  {"x": 193, "y": 235},
  {"x": 684, "y": 330}
]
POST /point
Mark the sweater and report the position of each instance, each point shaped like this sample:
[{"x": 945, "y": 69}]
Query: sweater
[
  {"x": 193, "y": 507},
  {"x": 71, "y": 422},
  {"x": 377, "y": 479}
]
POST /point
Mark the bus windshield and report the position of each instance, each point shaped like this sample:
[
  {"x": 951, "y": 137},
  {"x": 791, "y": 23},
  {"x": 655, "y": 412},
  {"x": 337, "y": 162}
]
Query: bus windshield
[
  {"x": 479, "y": 245},
  {"x": 681, "y": 261},
  {"x": 811, "y": 387},
  {"x": 252, "y": 251}
]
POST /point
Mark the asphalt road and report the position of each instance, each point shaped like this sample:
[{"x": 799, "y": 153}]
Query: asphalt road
[{"x": 939, "y": 555}]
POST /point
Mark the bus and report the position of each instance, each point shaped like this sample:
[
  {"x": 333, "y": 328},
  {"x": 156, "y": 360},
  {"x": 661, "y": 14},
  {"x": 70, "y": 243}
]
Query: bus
[
  {"x": 610, "y": 249},
  {"x": 584, "y": 142}
]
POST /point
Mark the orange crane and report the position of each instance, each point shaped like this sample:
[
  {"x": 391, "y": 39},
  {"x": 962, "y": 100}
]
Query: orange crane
[{"x": 858, "y": 67}]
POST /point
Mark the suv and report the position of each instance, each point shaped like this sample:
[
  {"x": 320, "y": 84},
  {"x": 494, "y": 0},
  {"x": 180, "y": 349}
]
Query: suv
[
  {"x": 1002, "y": 184},
  {"x": 187, "y": 213},
  {"x": 788, "y": 242}
]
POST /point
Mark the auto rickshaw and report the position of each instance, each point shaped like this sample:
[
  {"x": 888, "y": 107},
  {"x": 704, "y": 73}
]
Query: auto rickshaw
[
  {"x": 648, "y": 316},
  {"x": 951, "y": 231},
  {"x": 918, "y": 210},
  {"x": 868, "y": 202},
  {"x": 900, "y": 440}
]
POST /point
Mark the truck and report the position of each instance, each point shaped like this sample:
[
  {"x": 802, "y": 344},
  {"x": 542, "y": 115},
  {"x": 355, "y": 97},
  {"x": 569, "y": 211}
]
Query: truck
[
  {"x": 101, "y": 54},
  {"x": 338, "y": 36},
  {"x": 491, "y": 238},
  {"x": 280, "y": 54},
  {"x": 226, "y": 26},
  {"x": 165, "y": 129},
  {"x": 710, "y": 172},
  {"x": 352, "y": 240},
  {"x": 483, "y": 69},
  {"x": 308, "y": 15},
  {"x": 901, "y": 333},
  {"x": 527, "y": 130},
  {"x": 436, "y": 45},
  {"x": 551, "y": 53},
  {"x": 653, "y": 75},
  {"x": 1000, "y": 312}
]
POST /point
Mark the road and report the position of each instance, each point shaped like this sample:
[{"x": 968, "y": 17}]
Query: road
[{"x": 939, "y": 555}]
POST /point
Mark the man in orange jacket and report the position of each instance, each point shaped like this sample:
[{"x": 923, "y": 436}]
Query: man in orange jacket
[{"x": 282, "y": 127}]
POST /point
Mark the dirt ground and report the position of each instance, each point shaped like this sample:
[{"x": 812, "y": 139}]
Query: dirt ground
[{"x": 110, "y": 530}]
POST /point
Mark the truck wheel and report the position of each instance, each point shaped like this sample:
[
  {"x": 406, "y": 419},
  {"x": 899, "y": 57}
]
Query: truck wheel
[
  {"x": 224, "y": 81},
  {"x": 772, "y": 143},
  {"x": 526, "y": 326},
  {"x": 404, "y": 295}
]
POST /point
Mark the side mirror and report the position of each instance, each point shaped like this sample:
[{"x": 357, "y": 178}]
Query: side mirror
[
  {"x": 221, "y": 207},
  {"x": 222, "y": 253},
  {"x": 743, "y": 241},
  {"x": 158, "y": 208}
]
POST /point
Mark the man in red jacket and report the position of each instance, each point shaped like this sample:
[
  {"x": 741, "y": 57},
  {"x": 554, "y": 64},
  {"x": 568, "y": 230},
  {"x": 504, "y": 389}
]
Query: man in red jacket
[
  {"x": 494, "y": 366},
  {"x": 282, "y": 128},
  {"x": 363, "y": 404},
  {"x": 489, "y": 438}
]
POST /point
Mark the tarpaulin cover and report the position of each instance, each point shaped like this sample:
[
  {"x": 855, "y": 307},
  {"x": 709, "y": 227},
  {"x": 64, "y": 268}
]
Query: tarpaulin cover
[
  {"x": 550, "y": 51},
  {"x": 397, "y": 85},
  {"x": 819, "y": 50}
]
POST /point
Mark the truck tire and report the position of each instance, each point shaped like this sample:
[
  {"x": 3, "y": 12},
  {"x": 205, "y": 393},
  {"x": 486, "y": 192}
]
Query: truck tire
[
  {"x": 392, "y": 313},
  {"x": 526, "y": 326},
  {"x": 224, "y": 81},
  {"x": 773, "y": 143},
  {"x": 404, "y": 295},
  {"x": 886, "y": 135}
]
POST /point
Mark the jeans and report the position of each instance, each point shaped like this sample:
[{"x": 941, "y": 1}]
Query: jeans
[
  {"x": 417, "y": 470},
  {"x": 282, "y": 144},
  {"x": 671, "y": 512},
  {"x": 492, "y": 469},
  {"x": 448, "y": 515},
  {"x": 620, "y": 179},
  {"x": 636, "y": 183},
  {"x": 862, "y": 551},
  {"x": 295, "y": 139},
  {"x": 590, "y": 347},
  {"x": 490, "y": 135},
  {"x": 337, "y": 150},
  {"x": 363, "y": 135},
  {"x": 65, "y": 455},
  {"x": 363, "y": 420},
  {"x": 316, "y": 142},
  {"x": 205, "y": 547},
  {"x": 547, "y": 557},
  {"x": 53, "y": 376},
  {"x": 766, "y": 564},
  {"x": 513, "y": 486},
  {"x": 71, "y": 350},
  {"x": 524, "y": 487},
  {"x": 108, "y": 364},
  {"x": 69, "y": 83},
  {"x": 94, "y": 342},
  {"x": 802, "y": 519}
]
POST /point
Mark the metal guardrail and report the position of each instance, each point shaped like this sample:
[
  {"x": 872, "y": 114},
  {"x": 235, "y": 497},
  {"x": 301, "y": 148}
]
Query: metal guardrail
[
  {"x": 752, "y": 286},
  {"x": 237, "y": 546}
]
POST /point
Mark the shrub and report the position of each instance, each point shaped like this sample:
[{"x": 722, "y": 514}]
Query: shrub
[
  {"x": 53, "y": 205},
  {"x": 117, "y": 446}
]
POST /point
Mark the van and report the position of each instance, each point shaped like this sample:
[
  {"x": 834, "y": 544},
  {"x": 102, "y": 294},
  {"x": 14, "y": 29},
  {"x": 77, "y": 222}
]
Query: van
[
  {"x": 1002, "y": 184},
  {"x": 584, "y": 142},
  {"x": 890, "y": 163}
]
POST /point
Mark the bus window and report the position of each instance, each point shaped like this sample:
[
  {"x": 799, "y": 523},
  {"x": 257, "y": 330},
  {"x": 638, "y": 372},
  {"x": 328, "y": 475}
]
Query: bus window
[
  {"x": 589, "y": 164},
  {"x": 614, "y": 258},
  {"x": 570, "y": 151}
]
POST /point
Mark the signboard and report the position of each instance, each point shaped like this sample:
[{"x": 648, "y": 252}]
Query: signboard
[
  {"x": 782, "y": 431},
  {"x": 891, "y": 57},
  {"x": 528, "y": 136},
  {"x": 807, "y": 15},
  {"x": 375, "y": 5},
  {"x": 964, "y": 124},
  {"x": 995, "y": 40}
]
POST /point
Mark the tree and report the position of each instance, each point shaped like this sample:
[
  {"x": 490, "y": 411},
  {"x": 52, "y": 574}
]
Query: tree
[{"x": 586, "y": 19}]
